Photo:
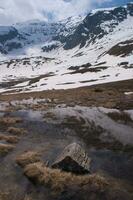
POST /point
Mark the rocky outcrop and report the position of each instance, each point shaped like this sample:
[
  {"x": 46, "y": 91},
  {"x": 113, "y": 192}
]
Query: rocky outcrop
[
  {"x": 94, "y": 26},
  {"x": 9, "y": 39},
  {"x": 130, "y": 8},
  {"x": 73, "y": 159},
  {"x": 122, "y": 49},
  {"x": 7, "y": 33}
]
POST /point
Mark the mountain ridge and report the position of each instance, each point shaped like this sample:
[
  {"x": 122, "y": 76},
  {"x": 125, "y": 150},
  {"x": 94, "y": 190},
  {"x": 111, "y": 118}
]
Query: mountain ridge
[
  {"x": 73, "y": 53},
  {"x": 69, "y": 33}
]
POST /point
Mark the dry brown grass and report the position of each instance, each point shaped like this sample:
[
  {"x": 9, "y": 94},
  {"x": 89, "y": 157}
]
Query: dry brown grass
[
  {"x": 16, "y": 131},
  {"x": 28, "y": 158},
  {"x": 5, "y": 148},
  {"x": 50, "y": 115},
  {"x": 85, "y": 96},
  {"x": 58, "y": 181},
  {"x": 4, "y": 195},
  {"x": 10, "y": 120},
  {"x": 27, "y": 198},
  {"x": 9, "y": 138}
]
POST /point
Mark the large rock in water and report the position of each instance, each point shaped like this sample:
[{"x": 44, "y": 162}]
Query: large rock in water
[{"x": 73, "y": 159}]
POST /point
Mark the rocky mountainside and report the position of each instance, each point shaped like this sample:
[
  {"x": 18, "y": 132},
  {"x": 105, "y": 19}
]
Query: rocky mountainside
[
  {"x": 78, "y": 51},
  {"x": 35, "y": 32},
  {"x": 70, "y": 32},
  {"x": 9, "y": 39},
  {"x": 98, "y": 24}
]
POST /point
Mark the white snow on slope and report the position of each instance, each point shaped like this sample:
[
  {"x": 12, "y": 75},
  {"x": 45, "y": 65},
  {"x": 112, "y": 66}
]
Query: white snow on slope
[
  {"x": 62, "y": 78},
  {"x": 94, "y": 11}
]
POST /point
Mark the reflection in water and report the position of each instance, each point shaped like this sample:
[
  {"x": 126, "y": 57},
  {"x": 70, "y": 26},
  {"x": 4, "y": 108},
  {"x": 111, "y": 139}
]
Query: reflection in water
[
  {"x": 117, "y": 164},
  {"x": 119, "y": 130},
  {"x": 29, "y": 115},
  {"x": 50, "y": 138}
]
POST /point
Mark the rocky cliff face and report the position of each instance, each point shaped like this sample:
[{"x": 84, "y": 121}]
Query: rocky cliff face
[
  {"x": 9, "y": 39},
  {"x": 7, "y": 33},
  {"x": 98, "y": 24}
]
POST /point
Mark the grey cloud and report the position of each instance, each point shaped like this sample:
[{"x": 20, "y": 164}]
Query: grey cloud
[{"x": 12, "y": 11}]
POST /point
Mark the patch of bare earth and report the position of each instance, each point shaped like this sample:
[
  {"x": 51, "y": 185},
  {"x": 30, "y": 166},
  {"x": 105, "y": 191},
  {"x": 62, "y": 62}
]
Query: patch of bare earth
[
  {"x": 37, "y": 79},
  {"x": 82, "y": 70}
]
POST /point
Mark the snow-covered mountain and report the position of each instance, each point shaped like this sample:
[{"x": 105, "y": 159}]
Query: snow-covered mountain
[
  {"x": 22, "y": 35},
  {"x": 97, "y": 24},
  {"x": 75, "y": 52}
]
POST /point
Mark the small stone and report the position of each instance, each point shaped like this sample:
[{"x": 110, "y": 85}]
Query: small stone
[{"x": 73, "y": 159}]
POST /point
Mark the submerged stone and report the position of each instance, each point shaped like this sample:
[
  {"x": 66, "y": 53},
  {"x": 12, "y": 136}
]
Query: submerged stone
[{"x": 73, "y": 159}]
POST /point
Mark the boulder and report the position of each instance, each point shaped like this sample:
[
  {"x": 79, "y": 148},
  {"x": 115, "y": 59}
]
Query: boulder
[{"x": 73, "y": 159}]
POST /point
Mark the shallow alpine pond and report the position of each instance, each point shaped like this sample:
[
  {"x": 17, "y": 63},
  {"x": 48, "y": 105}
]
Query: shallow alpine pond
[{"x": 107, "y": 139}]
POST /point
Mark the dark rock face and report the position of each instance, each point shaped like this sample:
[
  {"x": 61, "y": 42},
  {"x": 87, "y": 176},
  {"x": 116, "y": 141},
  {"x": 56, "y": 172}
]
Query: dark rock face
[
  {"x": 8, "y": 33},
  {"x": 130, "y": 8},
  {"x": 49, "y": 48},
  {"x": 91, "y": 28},
  {"x": 73, "y": 159},
  {"x": 122, "y": 49},
  {"x": 119, "y": 13},
  {"x": 2, "y": 50},
  {"x": 13, "y": 45}
]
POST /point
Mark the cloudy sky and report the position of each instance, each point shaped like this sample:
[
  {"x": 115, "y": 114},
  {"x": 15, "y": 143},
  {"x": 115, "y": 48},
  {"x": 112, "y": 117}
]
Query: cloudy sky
[{"x": 12, "y": 11}]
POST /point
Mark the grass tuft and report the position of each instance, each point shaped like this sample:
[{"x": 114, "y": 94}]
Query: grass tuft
[
  {"x": 16, "y": 131},
  {"x": 9, "y": 138},
  {"x": 27, "y": 198},
  {"x": 10, "y": 120},
  {"x": 28, "y": 158},
  {"x": 5, "y": 148},
  {"x": 58, "y": 181}
]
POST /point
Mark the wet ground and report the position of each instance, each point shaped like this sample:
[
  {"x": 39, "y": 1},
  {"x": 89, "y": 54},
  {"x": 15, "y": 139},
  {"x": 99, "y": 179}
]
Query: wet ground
[
  {"x": 43, "y": 137},
  {"x": 54, "y": 119},
  {"x": 50, "y": 134}
]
